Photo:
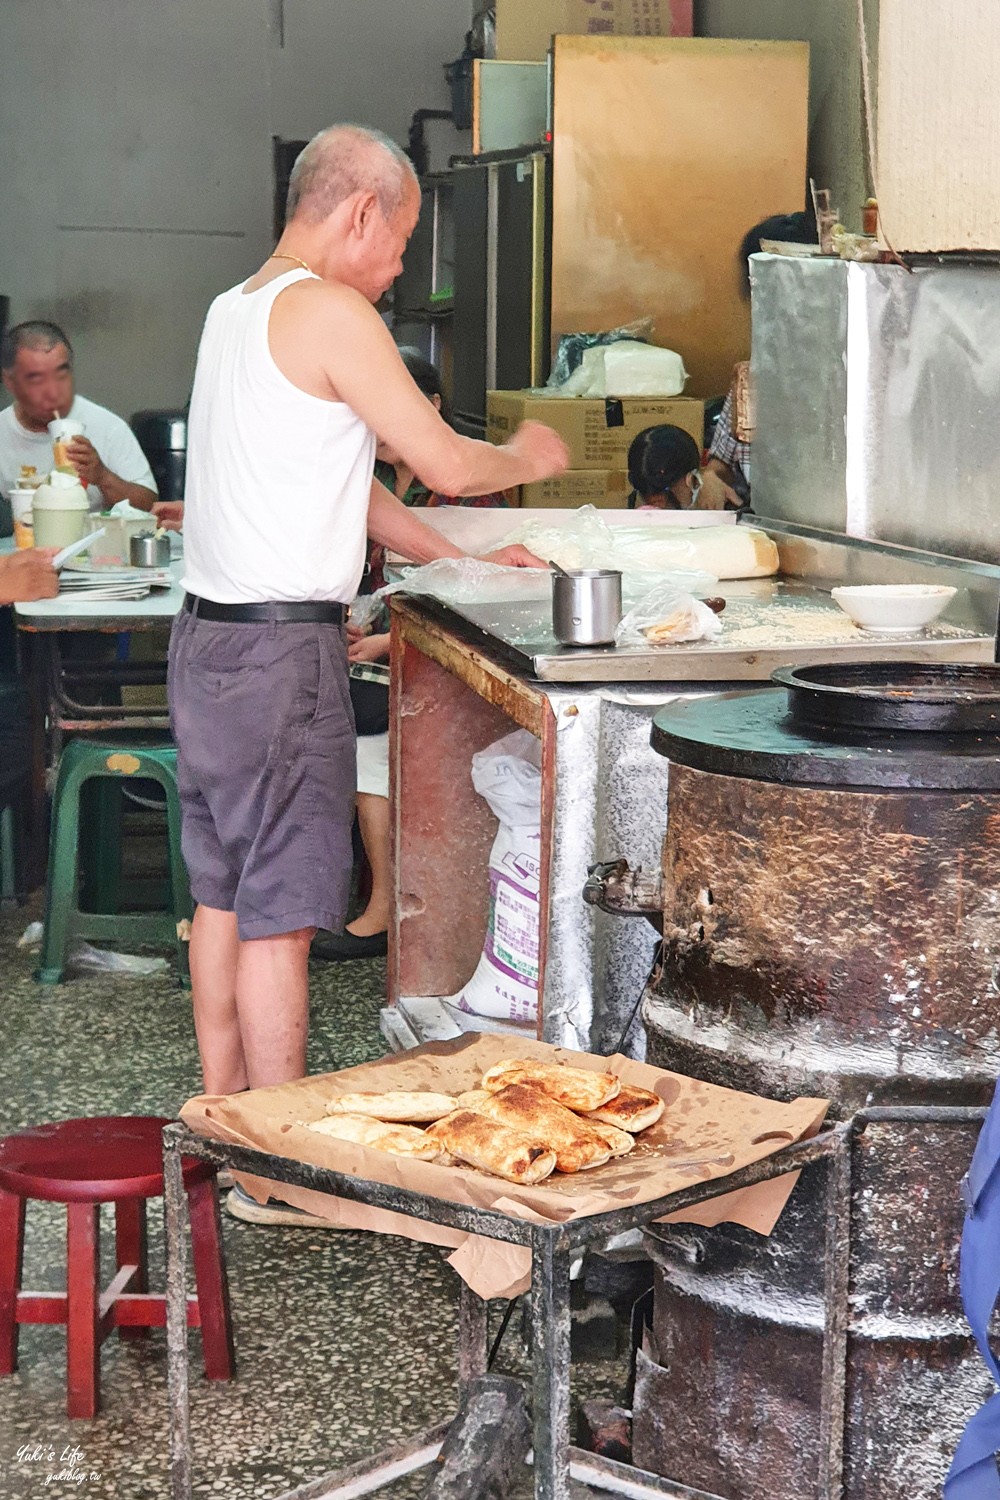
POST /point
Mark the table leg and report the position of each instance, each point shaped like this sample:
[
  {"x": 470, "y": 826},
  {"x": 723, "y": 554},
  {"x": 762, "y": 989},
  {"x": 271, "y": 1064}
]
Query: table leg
[
  {"x": 179, "y": 1415},
  {"x": 550, "y": 1358},
  {"x": 36, "y": 654},
  {"x": 471, "y": 1335}
]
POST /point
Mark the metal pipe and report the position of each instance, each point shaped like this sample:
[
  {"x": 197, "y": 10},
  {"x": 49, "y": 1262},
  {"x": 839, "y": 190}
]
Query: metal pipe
[{"x": 550, "y": 1350}]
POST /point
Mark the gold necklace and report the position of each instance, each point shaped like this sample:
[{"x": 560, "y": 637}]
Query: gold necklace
[{"x": 280, "y": 255}]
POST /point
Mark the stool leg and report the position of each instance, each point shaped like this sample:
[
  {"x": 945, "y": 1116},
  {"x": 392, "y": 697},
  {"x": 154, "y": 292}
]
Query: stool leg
[
  {"x": 8, "y": 864},
  {"x": 83, "y": 1349},
  {"x": 11, "y": 1257},
  {"x": 130, "y": 1250},
  {"x": 210, "y": 1279},
  {"x": 101, "y": 834}
]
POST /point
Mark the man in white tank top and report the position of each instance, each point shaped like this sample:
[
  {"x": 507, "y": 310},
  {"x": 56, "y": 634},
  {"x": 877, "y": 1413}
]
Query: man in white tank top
[{"x": 297, "y": 375}]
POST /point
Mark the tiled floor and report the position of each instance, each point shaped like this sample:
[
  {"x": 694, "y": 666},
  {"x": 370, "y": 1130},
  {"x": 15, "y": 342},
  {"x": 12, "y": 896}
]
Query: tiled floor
[{"x": 344, "y": 1341}]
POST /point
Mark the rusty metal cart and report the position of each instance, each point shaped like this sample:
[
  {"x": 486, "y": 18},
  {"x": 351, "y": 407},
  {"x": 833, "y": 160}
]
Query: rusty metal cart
[{"x": 553, "y": 1248}]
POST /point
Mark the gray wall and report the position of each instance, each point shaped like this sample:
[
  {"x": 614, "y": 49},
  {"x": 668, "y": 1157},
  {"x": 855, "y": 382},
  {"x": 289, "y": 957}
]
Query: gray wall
[
  {"x": 836, "y": 149},
  {"x": 135, "y": 173}
]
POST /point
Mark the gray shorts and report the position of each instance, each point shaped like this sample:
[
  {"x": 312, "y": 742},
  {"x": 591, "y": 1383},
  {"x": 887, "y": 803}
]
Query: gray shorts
[{"x": 262, "y": 718}]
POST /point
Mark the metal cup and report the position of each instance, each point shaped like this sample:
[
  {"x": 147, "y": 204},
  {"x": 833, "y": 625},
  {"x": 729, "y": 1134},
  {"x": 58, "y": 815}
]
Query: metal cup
[
  {"x": 149, "y": 551},
  {"x": 586, "y": 606}
]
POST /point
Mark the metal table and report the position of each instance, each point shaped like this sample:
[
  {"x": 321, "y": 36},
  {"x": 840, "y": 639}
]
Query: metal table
[{"x": 553, "y": 1247}]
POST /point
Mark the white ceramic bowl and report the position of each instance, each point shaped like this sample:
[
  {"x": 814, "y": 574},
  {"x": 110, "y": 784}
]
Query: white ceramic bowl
[{"x": 894, "y": 608}]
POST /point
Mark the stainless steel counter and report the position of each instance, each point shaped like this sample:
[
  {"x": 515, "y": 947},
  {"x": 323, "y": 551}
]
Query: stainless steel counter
[{"x": 769, "y": 622}]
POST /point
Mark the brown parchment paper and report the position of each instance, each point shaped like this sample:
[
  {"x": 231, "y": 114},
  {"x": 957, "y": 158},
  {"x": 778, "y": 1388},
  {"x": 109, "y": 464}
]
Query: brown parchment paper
[{"x": 705, "y": 1133}]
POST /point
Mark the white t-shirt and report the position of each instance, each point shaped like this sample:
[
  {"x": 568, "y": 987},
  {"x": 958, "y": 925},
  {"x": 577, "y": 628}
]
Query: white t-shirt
[
  {"x": 114, "y": 440},
  {"x": 278, "y": 482}
]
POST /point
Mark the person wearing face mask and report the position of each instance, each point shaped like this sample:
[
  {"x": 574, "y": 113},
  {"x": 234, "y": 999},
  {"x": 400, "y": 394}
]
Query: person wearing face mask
[{"x": 664, "y": 470}]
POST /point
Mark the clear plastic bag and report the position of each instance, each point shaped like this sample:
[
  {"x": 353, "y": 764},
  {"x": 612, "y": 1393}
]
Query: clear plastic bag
[
  {"x": 667, "y": 616},
  {"x": 469, "y": 580},
  {"x": 572, "y": 347},
  {"x": 589, "y": 542}
]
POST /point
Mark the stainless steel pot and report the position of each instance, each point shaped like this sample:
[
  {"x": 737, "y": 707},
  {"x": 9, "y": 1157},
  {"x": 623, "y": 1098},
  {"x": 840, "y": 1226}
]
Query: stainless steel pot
[
  {"x": 586, "y": 606},
  {"x": 149, "y": 551}
]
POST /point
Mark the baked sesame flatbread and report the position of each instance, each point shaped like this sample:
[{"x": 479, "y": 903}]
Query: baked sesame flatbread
[
  {"x": 398, "y": 1140},
  {"x": 526, "y": 1109},
  {"x": 631, "y": 1109},
  {"x": 574, "y": 1088},
  {"x": 414, "y": 1106},
  {"x": 493, "y": 1148}
]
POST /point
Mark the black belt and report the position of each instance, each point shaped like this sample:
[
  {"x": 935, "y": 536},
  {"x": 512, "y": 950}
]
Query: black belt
[{"x": 305, "y": 612}]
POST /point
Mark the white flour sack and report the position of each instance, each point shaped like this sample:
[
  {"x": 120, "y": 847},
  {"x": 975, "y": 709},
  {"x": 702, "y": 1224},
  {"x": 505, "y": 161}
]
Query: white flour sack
[{"x": 505, "y": 985}]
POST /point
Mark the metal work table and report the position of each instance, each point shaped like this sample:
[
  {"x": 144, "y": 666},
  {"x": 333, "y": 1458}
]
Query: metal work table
[{"x": 553, "y": 1247}]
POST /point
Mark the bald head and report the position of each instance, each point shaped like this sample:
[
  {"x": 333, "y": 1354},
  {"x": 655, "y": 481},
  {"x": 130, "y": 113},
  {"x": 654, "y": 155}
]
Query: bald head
[{"x": 344, "y": 160}]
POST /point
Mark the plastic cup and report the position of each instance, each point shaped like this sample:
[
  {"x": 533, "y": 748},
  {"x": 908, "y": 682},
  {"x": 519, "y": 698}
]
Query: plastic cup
[
  {"x": 20, "y": 504},
  {"x": 62, "y": 432}
]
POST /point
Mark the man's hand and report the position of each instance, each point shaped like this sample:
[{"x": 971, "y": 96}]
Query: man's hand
[
  {"x": 170, "y": 514},
  {"x": 515, "y": 557},
  {"x": 86, "y": 461},
  {"x": 541, "y": 447},
  {"x": 28, "y": 575},
  {"x": 369, "y": 648}
]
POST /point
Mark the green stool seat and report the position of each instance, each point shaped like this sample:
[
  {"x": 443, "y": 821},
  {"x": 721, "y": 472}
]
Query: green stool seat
[{"x": 84, "y": 761}]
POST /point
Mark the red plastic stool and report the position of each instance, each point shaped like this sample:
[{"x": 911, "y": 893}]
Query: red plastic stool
[{"x": 84, "y": 1163}]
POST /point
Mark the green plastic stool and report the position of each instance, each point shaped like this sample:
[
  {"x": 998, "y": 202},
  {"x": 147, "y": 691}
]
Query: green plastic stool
[{"x": 82, "y": 761}]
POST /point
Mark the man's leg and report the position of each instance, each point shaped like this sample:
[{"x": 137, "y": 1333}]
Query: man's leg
[
  {"x": 373, "y": 820},
  {"x": 214, "y": 951},
  {"x": 272, "y": 999}
]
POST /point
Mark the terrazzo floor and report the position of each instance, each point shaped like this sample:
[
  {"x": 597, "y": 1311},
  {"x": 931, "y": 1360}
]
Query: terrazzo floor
[{"x": 344, "y": 1341}]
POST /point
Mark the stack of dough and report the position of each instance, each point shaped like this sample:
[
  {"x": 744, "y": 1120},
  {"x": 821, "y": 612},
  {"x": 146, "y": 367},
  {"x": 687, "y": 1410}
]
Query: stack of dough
[{"x": 527, "y": 1120}]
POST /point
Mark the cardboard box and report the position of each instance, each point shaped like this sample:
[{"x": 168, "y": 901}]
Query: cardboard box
[
  {"x": 598, "y": 433},
  {"x": 526, "y": 27},
  {"x": 608, "y": 489}
]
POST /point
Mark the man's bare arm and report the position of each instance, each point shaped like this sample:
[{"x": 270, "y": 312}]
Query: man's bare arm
[
  {"x": 91, "y": 469},
  {"x": 330, "y": 341},
  {"x": 401, "y": 530}
]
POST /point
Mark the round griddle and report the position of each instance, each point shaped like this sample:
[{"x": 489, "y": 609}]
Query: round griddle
[{"x": 907, "y": 697}]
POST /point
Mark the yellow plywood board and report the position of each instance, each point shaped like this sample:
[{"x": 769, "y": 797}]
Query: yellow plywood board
[
  {"x": 666, "y": 151},
  {"x": 939, "y": 125}
]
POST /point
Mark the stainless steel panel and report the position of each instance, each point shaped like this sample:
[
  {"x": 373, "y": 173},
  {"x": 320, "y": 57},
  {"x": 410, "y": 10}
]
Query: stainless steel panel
[
  {"x": 924, "y": 421},
  {"x": 799, "y": 367},
  {"x": 878, "y": 391}
]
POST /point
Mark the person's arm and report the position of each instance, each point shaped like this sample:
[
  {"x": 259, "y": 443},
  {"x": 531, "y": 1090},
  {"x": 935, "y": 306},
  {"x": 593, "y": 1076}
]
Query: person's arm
[
  {"x": 28, "y": 575},
  {"x": 91, "y": 469},
  {"x": 400, "y": 529},
  {"x": 333, "y": 330}
]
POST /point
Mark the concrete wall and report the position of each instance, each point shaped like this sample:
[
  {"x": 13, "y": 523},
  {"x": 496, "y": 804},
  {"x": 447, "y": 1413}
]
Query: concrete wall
[
  {"x": 135, "y": 175},
  {"x": 837, "y": 156}
]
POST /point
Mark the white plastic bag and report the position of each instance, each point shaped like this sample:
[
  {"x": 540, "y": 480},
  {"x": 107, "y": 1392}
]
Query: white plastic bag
[
  {"x": 627, "y": 369},
  {"x": 505, "y": 985},
  {"x": 666, "y": 616}
]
